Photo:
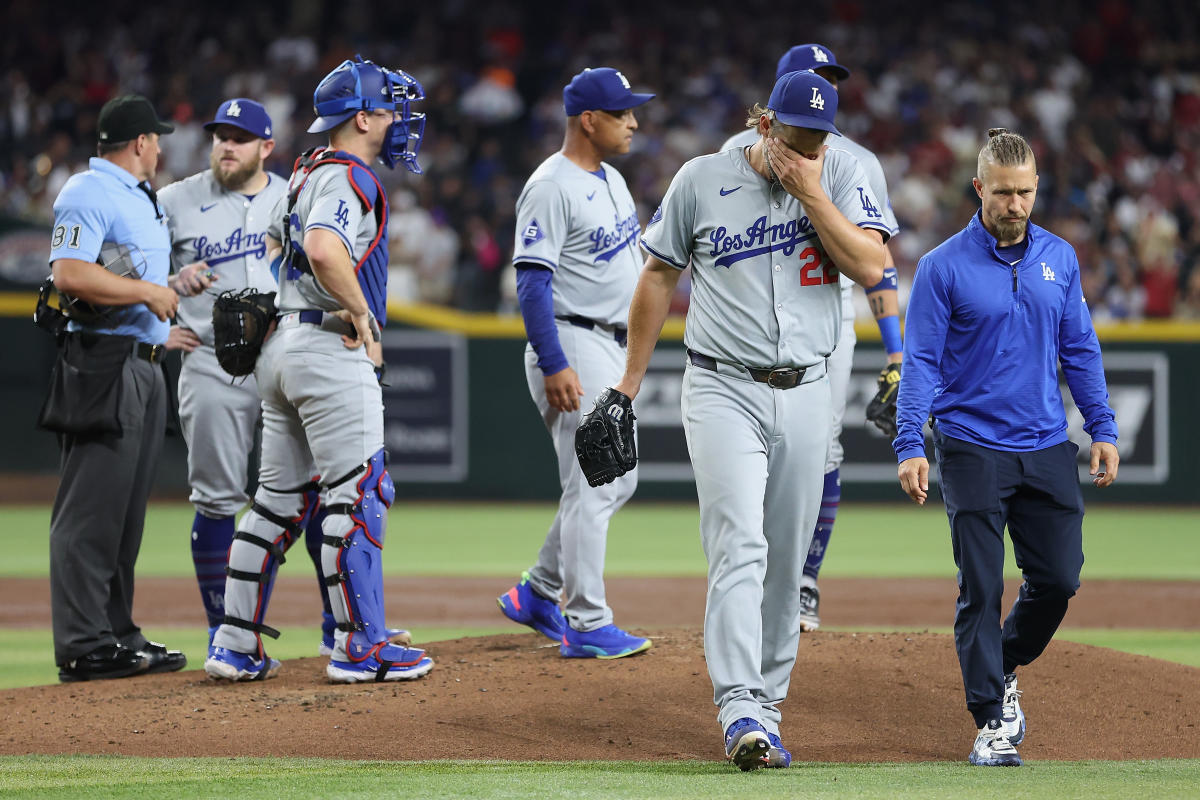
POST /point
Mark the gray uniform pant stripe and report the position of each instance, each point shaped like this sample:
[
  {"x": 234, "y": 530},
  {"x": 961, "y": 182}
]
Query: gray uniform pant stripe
[
  {"x": 758, "y": 455},
  {"x": 96, "y": 524},
  {"x": 572, "y": 558}
]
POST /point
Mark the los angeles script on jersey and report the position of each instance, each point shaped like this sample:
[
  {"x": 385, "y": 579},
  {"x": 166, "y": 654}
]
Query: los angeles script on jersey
[
  {"x": 759, "y": 238},
  {"x": 235, "y": 245},
  {"x": 609, "y": 243}
]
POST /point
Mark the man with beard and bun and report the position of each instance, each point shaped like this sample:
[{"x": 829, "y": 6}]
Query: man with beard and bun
[{"x": 994, "y": 311}]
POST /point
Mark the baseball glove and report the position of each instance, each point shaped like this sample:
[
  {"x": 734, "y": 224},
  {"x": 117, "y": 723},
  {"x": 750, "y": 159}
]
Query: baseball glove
[
  {"x": 241, "y": 321},
  {"x": 882, "y": 408},
  {"x": 604, "y": 441}
]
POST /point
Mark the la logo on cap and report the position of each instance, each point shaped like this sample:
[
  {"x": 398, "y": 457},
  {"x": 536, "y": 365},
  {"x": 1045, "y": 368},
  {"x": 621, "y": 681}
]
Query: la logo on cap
[
  {"x": 817, "y": 101},
  {"x": 234, "y": 110},
  {"x": 819, "y": 55},
  {"x": 624, "y": 80}
]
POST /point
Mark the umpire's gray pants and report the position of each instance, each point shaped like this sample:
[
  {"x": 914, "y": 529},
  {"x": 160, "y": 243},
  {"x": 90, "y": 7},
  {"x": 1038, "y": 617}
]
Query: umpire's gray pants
[{"x": 96, "y": 523}]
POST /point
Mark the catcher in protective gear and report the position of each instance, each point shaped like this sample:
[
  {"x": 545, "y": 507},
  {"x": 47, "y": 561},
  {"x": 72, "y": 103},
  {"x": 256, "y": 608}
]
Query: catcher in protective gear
[
  {"x": 882, "y": 408},
  {"x": 604, "y": 441},
  {"x": 241, "y": 322}
]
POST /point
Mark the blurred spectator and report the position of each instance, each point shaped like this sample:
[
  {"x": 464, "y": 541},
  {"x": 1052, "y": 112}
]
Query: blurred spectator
[{"x": 1107, "y": 95}]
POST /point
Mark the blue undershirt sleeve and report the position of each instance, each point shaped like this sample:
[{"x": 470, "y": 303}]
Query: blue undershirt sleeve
[{"x": 537, "y": 308}]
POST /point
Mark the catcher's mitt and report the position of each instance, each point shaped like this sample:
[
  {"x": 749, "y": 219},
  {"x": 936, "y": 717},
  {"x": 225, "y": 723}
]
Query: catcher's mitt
[
  {"x": 882, "y": 408},
  {"x": 241, "y": 321},
  {"x": 604, "y": 441}
]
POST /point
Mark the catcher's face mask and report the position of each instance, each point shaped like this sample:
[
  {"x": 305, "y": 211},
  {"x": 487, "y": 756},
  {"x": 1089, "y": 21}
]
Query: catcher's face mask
[{"x": 365, "y": 86}]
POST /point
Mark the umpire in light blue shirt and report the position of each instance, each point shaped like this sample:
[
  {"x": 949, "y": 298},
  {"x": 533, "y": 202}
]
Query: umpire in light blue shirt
[
  {"x": 994, "y": 311},
  {"x": 110, "y": 257}
]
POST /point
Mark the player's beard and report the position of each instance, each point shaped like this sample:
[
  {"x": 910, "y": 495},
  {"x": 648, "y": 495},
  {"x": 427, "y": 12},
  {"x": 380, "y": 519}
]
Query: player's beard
[
  {"x": 234, "y": 180},
  {"x": 1010, "y": 231}
]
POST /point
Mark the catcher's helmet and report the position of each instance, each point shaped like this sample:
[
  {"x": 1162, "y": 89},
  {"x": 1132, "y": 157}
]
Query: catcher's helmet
[{"x": 365, "y": 86}]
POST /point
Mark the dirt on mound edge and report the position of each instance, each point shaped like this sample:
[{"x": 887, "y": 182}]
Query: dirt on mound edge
[{"x": 854, "y": 697}]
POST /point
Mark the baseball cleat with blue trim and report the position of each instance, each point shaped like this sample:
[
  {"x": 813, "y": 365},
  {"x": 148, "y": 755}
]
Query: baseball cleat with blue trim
[
  {"x": 747, "y": 744},
  {"x": 606, "y": 642},
  {"x": 778, "y": 756},
  {"x": 523, "y": 605},
  {"x": 230, "y": 665}
]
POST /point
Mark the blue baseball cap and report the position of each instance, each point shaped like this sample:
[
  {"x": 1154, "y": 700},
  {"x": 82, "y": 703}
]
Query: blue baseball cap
[
  {"x": 602, "y": 88},
  {"x": 245, "y": 114},
  {"x": 810, "y": 56},
  {"x": 805, "y": 100}
]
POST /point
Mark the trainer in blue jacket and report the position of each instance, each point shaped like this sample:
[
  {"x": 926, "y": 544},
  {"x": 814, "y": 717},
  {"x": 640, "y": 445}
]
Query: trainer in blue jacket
[{"x": 994, "y": 311}]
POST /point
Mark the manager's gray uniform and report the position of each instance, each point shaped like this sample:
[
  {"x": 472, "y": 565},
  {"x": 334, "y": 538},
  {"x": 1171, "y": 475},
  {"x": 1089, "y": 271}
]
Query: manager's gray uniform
[
  {"x": 842, "y": 360},
  {"x": 764, "y": 295},
  {"x": 584, "y": 228},
  {"x": 227, "y": 230}
]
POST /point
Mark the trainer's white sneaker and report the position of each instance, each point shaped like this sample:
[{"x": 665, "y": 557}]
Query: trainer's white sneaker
[
  {"x": 810, "y": 607},
  {"x": 1012, "y": 718},
  {"x": 993, "y": 749}
]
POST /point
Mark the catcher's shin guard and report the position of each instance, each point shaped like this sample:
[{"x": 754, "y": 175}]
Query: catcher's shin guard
[
  {"x": 257, "y": 551},
  {"x": 352, "y": 561}
]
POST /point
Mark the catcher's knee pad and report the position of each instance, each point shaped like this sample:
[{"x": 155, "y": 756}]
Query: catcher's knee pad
[
  {"x": 351, "y": 556},
  {"x": 258, "y": 548}
]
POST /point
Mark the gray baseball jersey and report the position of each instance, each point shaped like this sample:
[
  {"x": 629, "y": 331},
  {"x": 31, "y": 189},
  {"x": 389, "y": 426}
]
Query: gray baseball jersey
[
  {"x": 328, "y": 202},
  {"x": 583, "y": 227},
  {"x": 764, "y": 291},
  {"x": 227, "y": 230},
  {"x": 841, "y": 362},
  {"x": 764, "y": 294}
]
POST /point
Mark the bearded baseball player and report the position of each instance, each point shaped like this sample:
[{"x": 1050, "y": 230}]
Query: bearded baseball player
[
  {"x": 321, "y": 398},
  {"x": 218, "y": 221},
  {"x": 885, "y": 307},
  {"x": 762, "y": 228},
  {"x": 577, "y": 265}
]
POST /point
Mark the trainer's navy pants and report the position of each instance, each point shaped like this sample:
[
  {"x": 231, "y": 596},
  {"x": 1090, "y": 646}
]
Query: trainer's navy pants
[{"x": 1036, "y": 494}]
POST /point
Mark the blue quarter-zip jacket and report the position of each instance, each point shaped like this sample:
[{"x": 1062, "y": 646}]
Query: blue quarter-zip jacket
[{"x": 983, "y": 341}]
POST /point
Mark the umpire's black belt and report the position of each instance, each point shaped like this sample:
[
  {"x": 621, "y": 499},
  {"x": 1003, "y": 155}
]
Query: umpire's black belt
[
  {"x": 777, "y": 378},
  {"x": 619, "y": 334},
  {"x": 149, "y": 352}
]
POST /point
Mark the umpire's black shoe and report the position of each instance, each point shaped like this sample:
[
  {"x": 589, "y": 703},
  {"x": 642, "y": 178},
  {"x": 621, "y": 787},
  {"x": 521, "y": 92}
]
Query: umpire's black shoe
[
  {"x": 162, "y": 659},
  {"x": 107, "y": 661}
]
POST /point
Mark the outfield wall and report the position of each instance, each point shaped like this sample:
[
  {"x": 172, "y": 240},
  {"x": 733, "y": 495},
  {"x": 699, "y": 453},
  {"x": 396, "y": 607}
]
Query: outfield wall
[{"x": 460, "y": 423}]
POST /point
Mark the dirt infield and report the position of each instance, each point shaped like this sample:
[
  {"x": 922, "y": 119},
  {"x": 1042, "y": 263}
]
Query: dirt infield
[{"x": 854, "y": 697}]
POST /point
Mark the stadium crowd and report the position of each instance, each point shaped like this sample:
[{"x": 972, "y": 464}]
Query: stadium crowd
[{"x": 1107, "y": 92}]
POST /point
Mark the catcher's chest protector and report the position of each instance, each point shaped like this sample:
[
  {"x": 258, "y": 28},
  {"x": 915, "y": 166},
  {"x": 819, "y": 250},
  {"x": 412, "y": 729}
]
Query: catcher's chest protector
[{"x": 371, "y": 266}]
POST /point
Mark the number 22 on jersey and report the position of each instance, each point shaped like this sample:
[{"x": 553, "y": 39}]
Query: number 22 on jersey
[{"x": 815, "y": 271}]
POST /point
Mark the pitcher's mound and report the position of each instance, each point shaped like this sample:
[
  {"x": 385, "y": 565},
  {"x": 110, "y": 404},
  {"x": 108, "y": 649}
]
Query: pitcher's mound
[{"x": 854, "y": 697}]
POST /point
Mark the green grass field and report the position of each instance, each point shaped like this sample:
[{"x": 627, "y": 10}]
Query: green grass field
[{"x": 488, "y": 539}]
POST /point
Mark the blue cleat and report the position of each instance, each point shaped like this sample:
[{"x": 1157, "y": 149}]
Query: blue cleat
[
  {"x": 230, "y": 665},
  {"x": 747, "y": 744},
  {"x": 607, "y": 642},
  {"x": 778, "y": 756},
  {"x": 397, "y": 636},
  {"x": 410, "y": 663},
  {"x": 523, "y": 605}
]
